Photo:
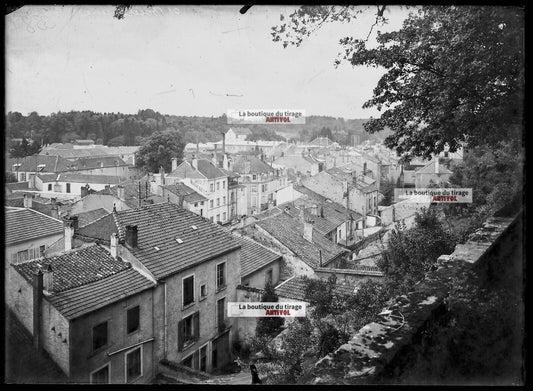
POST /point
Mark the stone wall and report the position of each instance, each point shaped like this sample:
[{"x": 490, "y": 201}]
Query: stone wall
[{"x": 378, "y": 345}]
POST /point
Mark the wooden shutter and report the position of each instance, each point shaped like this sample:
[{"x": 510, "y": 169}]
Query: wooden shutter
[
  {"x": 181, "y": 334},
  {"x": 196, "y": 324},
  {"x": 195, "y": 360}
]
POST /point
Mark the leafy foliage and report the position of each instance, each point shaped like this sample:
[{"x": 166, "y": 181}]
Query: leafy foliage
[
  {"x": 454, "y": 74},
  {"x": 412, "y": 252},
  {"x": 269, "y": 326},
  {"x": 9, "y": 177},
  {"x": 159, "y": 149},
  {"x": 387, "y": 189},
  {"x": 24, "y": 149}
]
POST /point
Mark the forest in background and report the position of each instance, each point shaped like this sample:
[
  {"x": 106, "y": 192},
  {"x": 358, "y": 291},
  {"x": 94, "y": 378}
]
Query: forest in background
[{"x": 118, "y": 129}]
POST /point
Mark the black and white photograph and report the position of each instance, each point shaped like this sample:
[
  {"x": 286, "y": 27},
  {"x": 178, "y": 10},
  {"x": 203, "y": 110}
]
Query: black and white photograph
[{"x": 311, "y": 195}]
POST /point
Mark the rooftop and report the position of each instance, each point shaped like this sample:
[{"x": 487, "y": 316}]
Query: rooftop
[
  {"x": 38, "y": 163},
  {"x": 289, "y": 231},
  {"x": 80, "y": 178},
  {"x": 181, "y": 189},
  {"x": 257, "y": 166},
  {"x": 294, "y": 288},
  {"x": 241, "y": 131},
  {"x": 254, "y": 256},
  {"x": 430, "y": 169},
  {"x": 27, "y": 224},
  {"x": 134, "y": 190},
  {"x": 91, "y": 216},
  {"x": 160, "y": 225}
]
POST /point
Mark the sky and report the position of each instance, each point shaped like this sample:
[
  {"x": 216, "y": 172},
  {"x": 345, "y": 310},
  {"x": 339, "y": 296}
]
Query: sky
[{"x": 181, "y": 60}]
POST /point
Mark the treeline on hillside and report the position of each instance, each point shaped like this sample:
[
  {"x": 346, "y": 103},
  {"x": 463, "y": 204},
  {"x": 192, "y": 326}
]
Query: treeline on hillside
[{"x": 118, "y": 129}]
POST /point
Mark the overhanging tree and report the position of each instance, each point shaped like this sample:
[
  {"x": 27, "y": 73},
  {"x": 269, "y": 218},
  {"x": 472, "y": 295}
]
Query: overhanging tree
[
  {"x": 454, "y": 74},
  {"x": 159, "y": 149}
]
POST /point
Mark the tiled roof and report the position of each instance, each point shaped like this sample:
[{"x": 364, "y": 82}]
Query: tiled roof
[
  {"x": 76, "y": 267},
  {"x": 16, "y": 202},
  {"x": 241, "y": 131},
  {"x": 131, "y": 192},
  {"x": 100, "y": 229},
  {"x": 289, "y": 231},
  {"x": 181, "y": 189},
  {"x": 86, "y": 279},
  {"x": 17, "y": 186},
  {"x": 430, "y": 169},
  {"x": 159, "y": 225},
  {"x": 80, "y": 178},
  {"x": 321, "y": 141},
  {"x": 207, "y": 169},
  {"x": 294, "y": 288},
  {"x": 26, "y": 224},
  {"x": 254, "y": 256},
  {"x": 90, "y": 162},
  {"x": 87, "y": 218},
  {"x": 31, "y": 163},
  {"x": 257, "y": 166},
  {"x": 87, "y": 298},
  {"x": 185, "y": 170}
]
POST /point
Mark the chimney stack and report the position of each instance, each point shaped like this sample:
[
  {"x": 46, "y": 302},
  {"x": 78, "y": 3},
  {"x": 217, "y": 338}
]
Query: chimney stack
[
  {"x": 48, "y": 279},
  {"x": 194, "y": 162},
  {"x": 70, "y": 224},
  {"x": 223, "y": 143},
  {"x": 28, "y": 200},
  {"x": 162, "y": 172},
  {"x": 354, "y": 177},
  {"x": 225, "y": 163},
  {"x": 37, "y": 282},
  {"x": 214, "y": 157},
  {"x": 114, "y": 245},
  {"x": 84, "y": 191},
  {"x": 54, "y": 210},
  {"x": 120, "y": 192},
  {"x": 308, "y": 229},
  {"x": 174, "y": 163},
  {"x": 436, "y": 164},
  {"x": 131, "y": 236}
]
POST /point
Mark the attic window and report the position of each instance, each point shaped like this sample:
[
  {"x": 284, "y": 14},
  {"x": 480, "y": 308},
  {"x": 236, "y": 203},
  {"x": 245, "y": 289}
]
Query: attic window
[
  {"x": 40, "y": 167},
  {"x": 156, "y": 248},
  {"x": 194, "y": 227},
  {"x": 179, "y": 240}
]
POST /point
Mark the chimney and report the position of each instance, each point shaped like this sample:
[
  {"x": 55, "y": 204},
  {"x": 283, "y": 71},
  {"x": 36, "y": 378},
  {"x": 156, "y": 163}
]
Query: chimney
[
  {"x": 131, "y": 236},
  {"x": 174, "y": 163},
  {"x": 28, "y": 200},
  {"x": 314, "y": 210},
  {"x": 225, "y": 163},
  {"x": 436, "y": 165},
  {"x": 68, "y": 224},
  {"x": 84, "y": 191},
  {"x": 48, "y": 279},
  {"x": 37, "y": 307},
  {"x": 162, "y": 173},
  {"x": 114, "y": 245},
  {"x": 120, "y": 192},
  {"x": 308, "y": 229},
  {"x": 54, "y": 209},
  {"x": 194, "y": 162},
  {"x": 223, "y": 143},
  {"x": 214, "y": 157},
  {"x": 32, "y": 180},
  {"x": 354, "y": 177}
]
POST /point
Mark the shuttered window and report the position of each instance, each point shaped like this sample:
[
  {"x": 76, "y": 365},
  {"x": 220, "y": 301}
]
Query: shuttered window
[{"x": 188, "y": 330}]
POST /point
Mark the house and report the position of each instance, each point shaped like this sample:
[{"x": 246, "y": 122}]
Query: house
[
  {"x": 261, "y": 180},
  {"x": 196, "y": 265},
  {"x": 355, "y": 191},
  {"x": 207, "y": 179},
  {"x": 28, "y": 234},
  {"x": 127, "y": 154},
  {"x": 186, "y": 197},
  {"x": 237, "y": 195},
  {"x": 293, "y": 234},
  {"x": 237, "y": 134},
  {"x": 432, "y": 174},
  {"x": 303, "y": 165},
  {"x": 90, "y": 311},
  {"x": 25, "y": 168},
  {"x": 71, "y": 183},
  {"x": 132, "y": 193}
]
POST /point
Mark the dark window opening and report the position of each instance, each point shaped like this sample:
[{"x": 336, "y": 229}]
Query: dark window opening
[
  {"x": 133, "y": 364},
  {"x": 188, "y": 290},
  {"x": 133, "y": 319},
  {"x": 221, "y": 278},
  {"x": 99, "y": 335},
  {"x": 101, "y": 376}
]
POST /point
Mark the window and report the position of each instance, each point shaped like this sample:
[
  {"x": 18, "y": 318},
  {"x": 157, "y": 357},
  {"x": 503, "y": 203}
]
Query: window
[
  {"x": 221, "y": 275},
  {"x": 218, "y": 201},
  {"x": 223, "y": 184},
  {"x": 212, "y": 219},
  {"x": 133, "y": 364},
  {"x": 254, "y": 177},
  {"x": 224, "y": 200},
  {"x": 188, "y": 290},
  {"x": 41, "y": 250},
  {"x": 220, "y": 313},
  {"x": 264, "y": 187},
  {"x": 99, "y": 335},
  {"x": 218, "y": 217},
  {"x": 218, "y": 185},
  {"x": 68, "y": 187},
  {"x": 22, "y": 256},
  {"x": 132, "y": 321},
  {"x": 254, "y": 189},
  {"x": 224, "y": 216},
  {"x": 201, "y": 212},
  {"x": 211, "y": 187},
  {"x": 22, "y": 177},
  {"x": 101, "y": 376},
  {"x": 202, "y": 203},
  {"x": 211, "y": 203},
  {"x": 268, "y": 277},
  {"x": 203, "y": 291},
  {"x": 196, "y": 204},
  {"x": 188, "y": 361},
  {"x": 49, "y": 187},
  {"x": 188, "y": 330},
  {"x": 203, "y": 358}
]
